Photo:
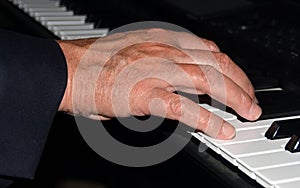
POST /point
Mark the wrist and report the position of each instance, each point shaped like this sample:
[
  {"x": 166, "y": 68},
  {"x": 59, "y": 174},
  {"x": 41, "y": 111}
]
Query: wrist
[
  {"x": 66, "y": 102},
  {"x": 73, "y": 51}
]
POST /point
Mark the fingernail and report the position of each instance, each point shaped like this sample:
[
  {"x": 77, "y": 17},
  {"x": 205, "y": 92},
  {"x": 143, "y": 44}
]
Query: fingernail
[
  {"x": 255, "y": 111},
  {"x": 255, "y": 100},
  {"x": 228, "y": 131}
]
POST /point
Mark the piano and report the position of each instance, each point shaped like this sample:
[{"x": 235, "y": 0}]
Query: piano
[{"x": 260, "y": 36}]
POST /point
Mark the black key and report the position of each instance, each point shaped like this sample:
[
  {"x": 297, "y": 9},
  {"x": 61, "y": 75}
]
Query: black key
[
  {"x": 275, "y": 104},
  {"x": 294, "y": 144},
  {"x": 264, "y": 82},
  {"x": 283, "y": 129}
]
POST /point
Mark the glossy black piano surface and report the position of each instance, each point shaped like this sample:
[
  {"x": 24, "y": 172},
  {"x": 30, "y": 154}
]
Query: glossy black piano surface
[{"x": 263, "y": 42}]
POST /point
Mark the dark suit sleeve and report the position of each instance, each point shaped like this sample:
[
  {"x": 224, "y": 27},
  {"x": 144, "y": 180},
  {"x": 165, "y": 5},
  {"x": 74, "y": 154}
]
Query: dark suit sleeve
[{"x": 33, "y": 77}]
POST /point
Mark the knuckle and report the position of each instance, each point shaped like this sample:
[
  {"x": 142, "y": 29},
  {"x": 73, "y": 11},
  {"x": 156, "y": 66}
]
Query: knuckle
[
  {"x": 211, "y": 124},
  {"x": 211, "y": 78},
  {"x": 251, "y": 90},
  {"x": 225, "y": 62},
  {"x": 175, "y": 107},
  {"x": 201, "y": 77},
  {"x": 204, "y": 121},
  {"x": 244, "y": 101},
  {"x": 213, "y": 46}
]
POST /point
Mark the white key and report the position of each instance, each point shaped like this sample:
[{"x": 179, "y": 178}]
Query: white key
[
  {"x": 55, "y": 13},
  {"x": 47, "y": 9},
  {"x": 291, "y": 184},
  {"x": 56, "y": 23},
  {"x": 225, "y": 115},
  {"x": 63, "y": 18},
  {"x": 234, "y": 151},
  {"x": 26, "y": 6},
  {"x": 29, "y": 1},
  {"x": 251, "y": 164},
  {"x": 244, "y": 136},
  {"x": 81, "y": 37},
  {"x": 57, "y": 28},
  {"x": 239, "y": 126},
  {"x": 273, "y": 176},
  {"x": 83, "y": 32},
  {"x": 209, "y": 108},
  {"x": 241, "y": 136},
  {"x": 269, "y": 89},
  {"x": 39, "y": 2}
]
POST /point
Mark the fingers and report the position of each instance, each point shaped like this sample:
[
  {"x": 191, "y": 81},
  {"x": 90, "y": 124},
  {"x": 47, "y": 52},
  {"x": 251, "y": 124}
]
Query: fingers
[
  {"x": 217, "y": 75},
  {"x": 169, "y": 105},
  {"x": 220, "y": 87},
  {"x": 227, "y": 67},
  {"x": 226, "y": 87},
  {"x": 218, "y": 60},
  {"x": 223, "y": 64}
]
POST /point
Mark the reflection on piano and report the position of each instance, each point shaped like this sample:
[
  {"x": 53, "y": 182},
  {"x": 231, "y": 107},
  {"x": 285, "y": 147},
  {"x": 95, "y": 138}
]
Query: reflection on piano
[{"x": 266, "y": 151}]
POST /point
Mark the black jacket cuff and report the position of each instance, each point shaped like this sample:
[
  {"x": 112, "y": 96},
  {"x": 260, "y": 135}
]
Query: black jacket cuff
[{"x": 33, "y": 77}]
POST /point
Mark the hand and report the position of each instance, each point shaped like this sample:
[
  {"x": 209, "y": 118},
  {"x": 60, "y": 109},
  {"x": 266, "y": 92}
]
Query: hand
[{"x": 137, "y": 73}]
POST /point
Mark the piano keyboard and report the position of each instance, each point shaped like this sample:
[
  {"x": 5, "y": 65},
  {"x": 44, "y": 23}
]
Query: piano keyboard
[
  {"x": 265, "y": 161},
  {"x": 63, "y": 23}
]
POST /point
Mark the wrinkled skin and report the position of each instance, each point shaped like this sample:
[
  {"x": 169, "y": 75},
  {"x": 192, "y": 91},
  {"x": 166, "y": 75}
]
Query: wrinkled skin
[{"x": 137, "y": 73}]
